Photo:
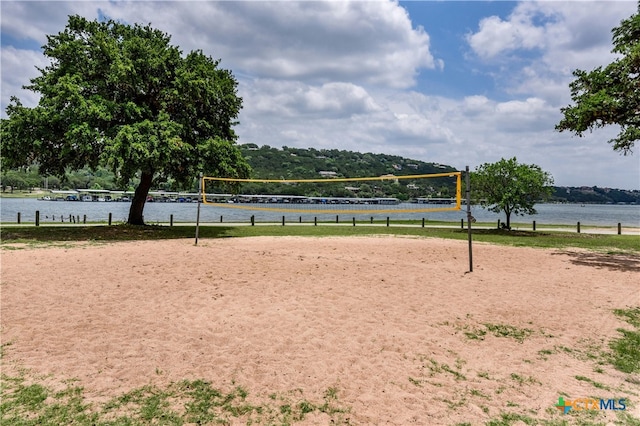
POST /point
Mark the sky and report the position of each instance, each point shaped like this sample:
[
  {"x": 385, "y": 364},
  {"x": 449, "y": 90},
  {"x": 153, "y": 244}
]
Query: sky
[{"x": 461, "y": 83}]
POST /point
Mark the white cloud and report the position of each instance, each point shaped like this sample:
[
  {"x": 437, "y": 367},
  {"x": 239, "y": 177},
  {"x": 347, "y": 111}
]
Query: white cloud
[
  {"x": 18, "y": 68},
  {"x": 358, "y": 42},
  {"x": 369, "y": 42},
  {"x": 540, "y": 44},
  {"x": 340, "y": 75},
  {"x": 581, "y": 30},
  {"x": 496, "y": 36},
  {"x": 292, "y": 98},
  {"x": 33, "y": 20}
]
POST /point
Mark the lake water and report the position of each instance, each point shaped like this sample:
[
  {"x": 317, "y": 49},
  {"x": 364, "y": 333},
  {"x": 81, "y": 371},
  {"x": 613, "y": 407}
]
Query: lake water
[{"x": 50, "y": 211}]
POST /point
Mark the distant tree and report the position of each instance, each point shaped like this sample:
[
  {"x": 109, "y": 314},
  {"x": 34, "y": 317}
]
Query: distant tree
[
  {"x": 14, "y": 179},
  {"x": 509, "y": 187},
  {"x": 121, "y": 96},
  {"x": 609, "y": 96}
]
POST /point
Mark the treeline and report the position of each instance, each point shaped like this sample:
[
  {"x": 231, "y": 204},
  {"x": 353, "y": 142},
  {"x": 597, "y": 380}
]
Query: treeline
[
  {"x": 306, "y": 163},
  {"x": 595, "y": 195},
  {"x": 276, "y": 163},
  {"x": 309, "y": 163},
  {"x": 29, "y": 177}
]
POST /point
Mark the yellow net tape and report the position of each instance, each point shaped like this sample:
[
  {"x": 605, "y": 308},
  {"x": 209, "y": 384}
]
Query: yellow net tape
[{"x": 212, "y": 195}]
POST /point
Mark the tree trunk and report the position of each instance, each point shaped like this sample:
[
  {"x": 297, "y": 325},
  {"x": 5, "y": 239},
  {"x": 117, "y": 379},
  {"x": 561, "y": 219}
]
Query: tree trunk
[
  {"x": 136, "y": 210},
  {"x": 507, "y": 215}
]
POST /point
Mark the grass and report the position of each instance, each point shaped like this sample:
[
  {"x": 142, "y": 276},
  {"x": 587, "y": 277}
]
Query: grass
[
  {"x": 498, "y": 330},
  {"x": 185, "y": 402},
  {"x": 521, "y": 380},
  {"x": 592, "y": 382},
  {"x": 626, "y": 349},
  {"x": 22, "y": 194},
  {"x": 603, "y": 243}
]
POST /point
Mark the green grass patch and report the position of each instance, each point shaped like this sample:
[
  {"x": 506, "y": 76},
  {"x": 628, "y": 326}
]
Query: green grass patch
[
  {"x": 596, "y": 242},
  {"x": 626, "y": 349},
  {"x": 521, "y": 380},
  {"x": 498, "y": 330},
  {"x": 185, "y": 402},
  {"x": 592, "y": 382},
  {"x": 507, "y": 419},
  {"x": 510, "y": 331}
]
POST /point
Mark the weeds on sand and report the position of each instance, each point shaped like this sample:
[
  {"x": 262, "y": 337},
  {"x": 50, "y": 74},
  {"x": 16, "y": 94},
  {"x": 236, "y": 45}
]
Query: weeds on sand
[
  {"x": 626, "y": 349},
  {"x": 624, "y": 352},
  {"x": 184, "y": 402},
  {"x": 524, "y": 380},
  {"x": 587, "y": 350},
  {"x": 592, "y": 382},
  {"x": 434, "y": 367},
  {"x": 498, "y": 330}
]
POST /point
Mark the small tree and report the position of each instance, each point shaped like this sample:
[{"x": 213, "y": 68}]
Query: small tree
[
  {"x": 121, "y": 96},
  {"x": 509, "y": 187},
  {"x": 610, "y": 96}
]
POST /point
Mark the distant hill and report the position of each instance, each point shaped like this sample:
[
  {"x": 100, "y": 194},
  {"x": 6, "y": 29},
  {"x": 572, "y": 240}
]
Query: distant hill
[
  {"x": 300, "y": 163},
  {"x": 307, "y": 163},
  {"x": 595, "y": 195}
]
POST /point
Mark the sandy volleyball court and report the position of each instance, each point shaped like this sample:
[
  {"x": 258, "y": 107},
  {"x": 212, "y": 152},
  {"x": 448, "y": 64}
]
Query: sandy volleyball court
[{"x": 395, "y": 325}]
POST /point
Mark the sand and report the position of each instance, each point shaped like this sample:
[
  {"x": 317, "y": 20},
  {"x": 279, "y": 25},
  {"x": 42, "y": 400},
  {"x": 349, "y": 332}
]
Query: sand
[{"x": 396, "y": 326}]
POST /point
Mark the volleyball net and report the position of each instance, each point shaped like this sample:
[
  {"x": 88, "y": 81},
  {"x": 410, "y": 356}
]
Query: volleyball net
[{"x": 387, "y": 194}]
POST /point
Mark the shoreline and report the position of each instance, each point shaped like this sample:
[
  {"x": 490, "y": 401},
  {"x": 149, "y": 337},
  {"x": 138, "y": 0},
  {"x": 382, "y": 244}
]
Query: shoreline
[
  {"x": 38, "y": 196},
  {"x": 564, "y": 216},
  {"x": 584, "y": 228}
]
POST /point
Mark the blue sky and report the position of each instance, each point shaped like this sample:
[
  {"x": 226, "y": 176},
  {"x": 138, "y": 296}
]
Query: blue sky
[
  {"x": 458, "y": 83},
  {"x": 447, "y": 24}
]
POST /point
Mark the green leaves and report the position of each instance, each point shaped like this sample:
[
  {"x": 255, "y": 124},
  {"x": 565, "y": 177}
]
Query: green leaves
[
  {"x": 509, "y": 187},
  {"x": 122, "y": 96},
  {"x": 610, "y": 96}
]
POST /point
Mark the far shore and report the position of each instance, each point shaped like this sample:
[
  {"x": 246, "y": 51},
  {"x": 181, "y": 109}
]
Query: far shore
[{"x": 39, "y": 193}]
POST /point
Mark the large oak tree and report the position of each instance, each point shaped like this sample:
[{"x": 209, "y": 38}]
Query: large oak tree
[
  {"x": 122, "y": 96},
  {"x": 509, "y": 187},
  {"x": 610, "y": 95}
]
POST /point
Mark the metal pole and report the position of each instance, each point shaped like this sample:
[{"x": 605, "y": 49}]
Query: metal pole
[
  {"x": 469, "y": 219},
  {"x": 199, "y": 202}
]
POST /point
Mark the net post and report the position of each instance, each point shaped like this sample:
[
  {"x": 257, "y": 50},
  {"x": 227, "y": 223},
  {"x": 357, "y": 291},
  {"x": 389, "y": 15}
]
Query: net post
[
  {"x": 469, "y": 218},
  {"x": 200, "y": 188},
  {"x": 458, "y": 190}
]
